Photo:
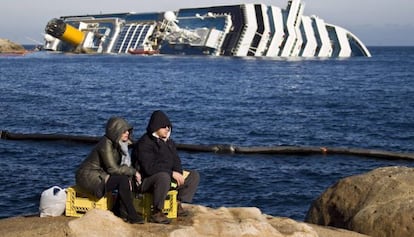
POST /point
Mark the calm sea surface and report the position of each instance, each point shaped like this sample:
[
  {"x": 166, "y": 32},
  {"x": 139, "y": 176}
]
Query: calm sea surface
[{"x": 356, "y": 102}]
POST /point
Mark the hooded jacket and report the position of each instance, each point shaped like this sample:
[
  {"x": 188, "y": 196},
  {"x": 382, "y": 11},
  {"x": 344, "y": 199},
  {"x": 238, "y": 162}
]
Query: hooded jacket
[
  {"x": 104, "y": 159},
  {"x": 153, "y": 155}
]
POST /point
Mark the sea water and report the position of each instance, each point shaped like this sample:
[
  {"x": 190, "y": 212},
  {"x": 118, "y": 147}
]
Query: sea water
[{"x": 348, "y": 103}]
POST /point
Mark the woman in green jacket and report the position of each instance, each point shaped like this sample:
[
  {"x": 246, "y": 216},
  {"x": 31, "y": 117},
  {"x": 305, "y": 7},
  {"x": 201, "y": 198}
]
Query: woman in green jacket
[{"x": 108, "y": 167}]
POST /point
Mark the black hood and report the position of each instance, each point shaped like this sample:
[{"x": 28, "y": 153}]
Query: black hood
[{"x": 158, "y": 120}]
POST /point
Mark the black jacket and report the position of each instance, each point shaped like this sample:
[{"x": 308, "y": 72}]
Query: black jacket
[{"x": 152, "y": 155}]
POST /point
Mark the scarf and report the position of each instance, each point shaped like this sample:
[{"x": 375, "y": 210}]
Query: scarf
[{"x": 126, "y": 158}]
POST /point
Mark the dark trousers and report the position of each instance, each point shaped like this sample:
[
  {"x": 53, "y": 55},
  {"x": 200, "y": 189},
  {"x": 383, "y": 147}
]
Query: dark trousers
[
  {"x": 121, "y": 183},
  {"x": 160, "y": 183}
]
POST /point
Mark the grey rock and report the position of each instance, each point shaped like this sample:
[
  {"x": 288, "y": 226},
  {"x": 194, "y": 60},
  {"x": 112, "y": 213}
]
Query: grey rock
[{"x": 377, "y": 203}]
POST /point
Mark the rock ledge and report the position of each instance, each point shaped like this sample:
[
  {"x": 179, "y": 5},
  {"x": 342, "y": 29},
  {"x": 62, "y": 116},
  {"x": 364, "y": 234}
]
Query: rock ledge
[
  {"x": 377, "y": 203},
  {"x": 203, "y": 221},
  {"x": 8, "y": 47}
]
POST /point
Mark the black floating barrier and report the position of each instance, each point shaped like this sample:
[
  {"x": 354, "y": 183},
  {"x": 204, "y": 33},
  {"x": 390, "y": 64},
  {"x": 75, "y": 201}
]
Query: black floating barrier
[
  {"x": 226, "y": 149},
  {"x": 48, "y": 137}
]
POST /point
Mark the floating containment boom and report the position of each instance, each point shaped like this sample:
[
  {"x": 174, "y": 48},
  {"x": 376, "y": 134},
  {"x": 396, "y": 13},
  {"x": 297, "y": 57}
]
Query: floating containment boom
[
  {"x": 229, "y": 149},
  {"x": 252, "y": 30}
]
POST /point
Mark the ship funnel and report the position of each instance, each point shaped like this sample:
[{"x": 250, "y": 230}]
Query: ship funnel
[{"x": 65, "y": 32}]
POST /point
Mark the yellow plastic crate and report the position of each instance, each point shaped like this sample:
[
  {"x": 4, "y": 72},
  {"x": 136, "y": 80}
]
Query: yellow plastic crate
[
  {"x": 78, "y": 203},
  {"x": 143, "y": 205}
]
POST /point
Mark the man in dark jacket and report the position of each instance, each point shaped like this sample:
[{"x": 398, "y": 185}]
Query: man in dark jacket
[{"x": 155, "y": 155}]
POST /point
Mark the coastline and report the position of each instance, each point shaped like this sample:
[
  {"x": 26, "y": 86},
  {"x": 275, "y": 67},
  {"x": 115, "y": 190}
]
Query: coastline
[
  {"x": 203, "y": 221},
  {"x": 8, "y": 47}
]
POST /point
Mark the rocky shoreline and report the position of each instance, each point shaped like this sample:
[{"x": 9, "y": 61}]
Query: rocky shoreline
[
  {"x": 377, "y": 203},
  {"x": 203, "y": 221},
  {"x": 9, "y": 47}
]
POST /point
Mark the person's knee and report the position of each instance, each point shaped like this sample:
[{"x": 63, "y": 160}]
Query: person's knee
[
  {"x": 163, "y": 175},
  {"x": 124, "y": 182},
  {"x": 194, "y": 176},
  {"x": 163, "y": 178}
]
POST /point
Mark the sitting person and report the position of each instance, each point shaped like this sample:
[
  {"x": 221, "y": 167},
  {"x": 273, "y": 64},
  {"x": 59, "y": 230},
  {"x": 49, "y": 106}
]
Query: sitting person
[
  {"x": 108, "y": 167},
  {"x": 156, "y": 157}
]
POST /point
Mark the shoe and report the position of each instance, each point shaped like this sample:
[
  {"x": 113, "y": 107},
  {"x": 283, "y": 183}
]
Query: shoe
[
  {"x": 138, "y": 220},
  {"x": 120, "y": 211},
  {"x": 181, "y": 211},
  {"x": 159, "y": 217}
]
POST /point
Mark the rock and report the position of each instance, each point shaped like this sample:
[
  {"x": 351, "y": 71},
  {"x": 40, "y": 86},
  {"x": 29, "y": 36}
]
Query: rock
[
  {"x": 203, "y": 222},
  {"x": 6, "y": 46},
  {"x": 229, "y": 222},
  {"x": 378, "y": 203},
  {"x": 98, "y": 223}
]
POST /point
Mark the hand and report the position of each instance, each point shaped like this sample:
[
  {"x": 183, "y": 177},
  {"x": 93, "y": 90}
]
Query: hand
[
  {"x": 138, "y": 177},
  {"x": 178, "y": 177}
]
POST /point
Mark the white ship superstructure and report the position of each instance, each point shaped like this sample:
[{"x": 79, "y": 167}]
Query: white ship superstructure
[
  {"x": 324, "y": 48},
  {"x": 237, "y": 30},
  {"x": 309, "y": 43},
  {"x": 277, "y": 31}
]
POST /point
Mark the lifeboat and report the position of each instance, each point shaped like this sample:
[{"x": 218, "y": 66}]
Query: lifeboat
[{"x": 143, "y": 51}]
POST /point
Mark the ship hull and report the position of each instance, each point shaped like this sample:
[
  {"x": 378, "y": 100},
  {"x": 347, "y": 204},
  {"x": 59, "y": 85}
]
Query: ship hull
[{"x": 252, "y": 30}]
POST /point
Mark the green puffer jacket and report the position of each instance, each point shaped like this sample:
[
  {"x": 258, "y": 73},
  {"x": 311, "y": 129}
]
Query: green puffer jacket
[{"x": 104, "y": 159}]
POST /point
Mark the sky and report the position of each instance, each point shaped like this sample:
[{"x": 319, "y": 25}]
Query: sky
[{"x": 374, "y": 22}]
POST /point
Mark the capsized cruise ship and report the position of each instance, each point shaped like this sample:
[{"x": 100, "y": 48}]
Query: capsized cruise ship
[{"x": 235, "y": 30}]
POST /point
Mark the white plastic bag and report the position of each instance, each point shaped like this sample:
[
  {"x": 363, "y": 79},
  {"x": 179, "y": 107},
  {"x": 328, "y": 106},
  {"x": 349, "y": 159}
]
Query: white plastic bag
[{"x": 52, "y": 202}]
